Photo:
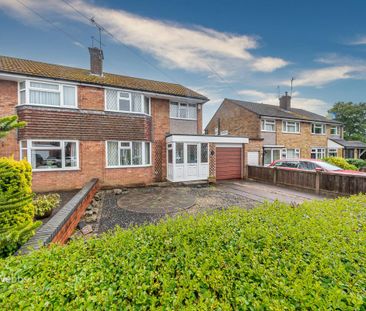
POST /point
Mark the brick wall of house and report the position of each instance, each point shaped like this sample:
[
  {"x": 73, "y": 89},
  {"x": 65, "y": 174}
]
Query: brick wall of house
[
  {"x": 160, "y": 128},
  {"x": 8, "y": 100},
  {"x": 90, "y": 97},
  {"x": 237, "y": 120},
  {"x": 92, "y": 165}
]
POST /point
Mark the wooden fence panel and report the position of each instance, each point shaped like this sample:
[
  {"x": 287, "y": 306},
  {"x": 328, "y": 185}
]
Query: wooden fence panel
[{"x": 301, "y": 179}]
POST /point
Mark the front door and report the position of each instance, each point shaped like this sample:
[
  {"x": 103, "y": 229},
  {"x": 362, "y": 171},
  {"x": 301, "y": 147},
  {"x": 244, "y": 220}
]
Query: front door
[{"x": 191, "y": 168}]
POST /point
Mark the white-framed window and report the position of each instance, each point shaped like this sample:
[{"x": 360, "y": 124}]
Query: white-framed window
[
  {"x": 123, "y": 101},
  {"x": 270, "y": 155},
  {"x": 183, "y": 111},
  {"x": 46, "y": 155},
  {"x": 291, "y": 153},
  {"x": 128, "y": 153},
  {"x": 268, "y": 125},
  {"x": 318, "y": 153},
  {"x": 290, "y": 127},
  {"x": 332, "y": 152},
  {"x": 216, "y": 131},
  {"x": 318, "y": 128},
  {"x": 224, "y": 132},
  {"x": 334, "y": 130},
  {"x": 47, "y": 94}
]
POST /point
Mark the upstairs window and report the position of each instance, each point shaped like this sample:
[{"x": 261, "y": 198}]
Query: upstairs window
[
  {"x": 290, "y": 127},
  {"x": 183, "y": 111},
  {"x": 335, "y": 130},
  {"x": 126, "y": 101},
  {"x": 268, "y": 125},
  {"x": 47, "y": 94},
  {"x": 318, "y": 128}
]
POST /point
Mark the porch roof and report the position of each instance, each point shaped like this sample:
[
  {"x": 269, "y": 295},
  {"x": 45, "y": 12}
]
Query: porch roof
[
  {"x": 206, "y": 139},
  {"x": 349, "y": 144}
]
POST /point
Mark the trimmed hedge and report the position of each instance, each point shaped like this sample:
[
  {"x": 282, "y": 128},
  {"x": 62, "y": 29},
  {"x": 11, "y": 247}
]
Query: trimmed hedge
[
  {"x": 359, "y": 163},
  {"x": 274, "y": 257},
  {"x": 16, "y": 208},
  {"x": 340, "y": 162}
]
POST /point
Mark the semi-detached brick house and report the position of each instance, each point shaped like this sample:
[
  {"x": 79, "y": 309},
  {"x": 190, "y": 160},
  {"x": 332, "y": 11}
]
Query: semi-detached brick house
[
  {"x": 280, "y": 131},
  {"x": 84, "y": 124}
]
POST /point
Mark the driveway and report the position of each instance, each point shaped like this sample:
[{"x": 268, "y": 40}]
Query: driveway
[{"x": 137, "y": 206}]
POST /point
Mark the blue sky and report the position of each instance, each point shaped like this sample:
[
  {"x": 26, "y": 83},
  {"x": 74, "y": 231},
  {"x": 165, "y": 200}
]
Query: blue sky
[{"x": 235, "y": 49}]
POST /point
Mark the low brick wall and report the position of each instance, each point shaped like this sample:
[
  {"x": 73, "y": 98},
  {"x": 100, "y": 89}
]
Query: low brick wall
[{"x": 61, "y": 226}]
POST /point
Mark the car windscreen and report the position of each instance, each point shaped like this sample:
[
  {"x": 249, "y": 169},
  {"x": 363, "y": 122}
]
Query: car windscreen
[{"x": 328, "y": 167}]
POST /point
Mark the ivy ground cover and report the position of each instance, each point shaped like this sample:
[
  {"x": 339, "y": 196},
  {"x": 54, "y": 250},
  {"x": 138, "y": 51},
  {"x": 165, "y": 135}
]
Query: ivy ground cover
[{"x": 274, "y": 257}]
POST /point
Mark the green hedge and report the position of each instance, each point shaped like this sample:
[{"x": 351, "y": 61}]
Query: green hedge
[
  {"x": 16, "y": 208},
  {"x": 357, "y": 162},
  {"x": 340, "y": 162},
  {"x": 274, "y": 257}
]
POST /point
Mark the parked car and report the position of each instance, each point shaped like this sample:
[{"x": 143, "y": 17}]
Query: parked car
[{"x": 312, "y": 165}]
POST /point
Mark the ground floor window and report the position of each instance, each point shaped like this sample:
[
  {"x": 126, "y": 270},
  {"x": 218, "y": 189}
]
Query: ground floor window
[
  {"x": 349, "y": 153},
  {"x": 128, "y": 153},
  {"x": 318, "y": 153},
  {"x": 50, "y": 154},
  {"x": 332, "y": 152},
  {"x": 270, "y": 155},
  {"x": 291, "y": 153}
]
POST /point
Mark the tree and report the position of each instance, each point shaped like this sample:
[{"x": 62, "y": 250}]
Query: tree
[
  {"x": 353, "y": 116},
  {"x": 9, "y": 123}
]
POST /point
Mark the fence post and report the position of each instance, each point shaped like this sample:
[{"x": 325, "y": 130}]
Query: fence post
[
  {"x": 317, "y": 182},
  {"x": 275, "y": 175}
]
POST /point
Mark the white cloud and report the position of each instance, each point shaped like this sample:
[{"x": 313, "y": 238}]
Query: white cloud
[
  {"x": 190, "y": 48},
  {"x": 360, "y": 40},
  {"x": 312, "y": 104}
]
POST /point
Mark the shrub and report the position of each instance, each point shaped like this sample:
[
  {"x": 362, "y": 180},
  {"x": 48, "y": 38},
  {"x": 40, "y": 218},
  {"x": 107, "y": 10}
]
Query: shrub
[
  {"x": 45, "y": 203},
  {"x": 16, "y": 208},
  {"x": 274, "y": 257},
  {"x": 340, "y": 162},
  {"x": 357, "y": 162}
]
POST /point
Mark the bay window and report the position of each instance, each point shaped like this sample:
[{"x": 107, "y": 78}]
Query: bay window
[
  {"x": 290, "y": 127},
  {"x": 268, "y": 125},
  {"x": 51, "y": 155},
  {"x": 183, "y": 111},
  {"x": 318, "y": 128},
  {"x": 318, "y": 153},
  {"x": 47, "y": 94},
  {"x": 123, "y": 101},
  {"x": 128, "y": 153}
]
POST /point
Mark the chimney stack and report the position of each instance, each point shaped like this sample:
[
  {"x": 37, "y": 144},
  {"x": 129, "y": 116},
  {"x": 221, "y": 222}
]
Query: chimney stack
[
  {"x": 285, "y": 101},
  {"x": 96, "y": 61}
]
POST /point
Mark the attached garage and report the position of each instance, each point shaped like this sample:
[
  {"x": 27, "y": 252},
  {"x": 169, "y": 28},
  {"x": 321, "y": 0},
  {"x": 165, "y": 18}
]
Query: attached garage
[{"x": 228, "y": 163}]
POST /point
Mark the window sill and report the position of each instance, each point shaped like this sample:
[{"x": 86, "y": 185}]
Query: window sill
[
  {"x": 184, "y": 119},
  {"x": 129, "y": 166},
  {"x": 48, "y": 106},
  {"x": 317, "y": 134},
  {"x": 128, "y": 112},
  {"x": 56, "y": 170},
  {"x": 268, "y": 131},
  {"x": 297, "y": 133}
]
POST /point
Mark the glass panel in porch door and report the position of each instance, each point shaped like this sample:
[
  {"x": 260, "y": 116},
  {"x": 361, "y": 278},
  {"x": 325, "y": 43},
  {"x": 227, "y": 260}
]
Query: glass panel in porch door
[{"x": 192, "y": 154}]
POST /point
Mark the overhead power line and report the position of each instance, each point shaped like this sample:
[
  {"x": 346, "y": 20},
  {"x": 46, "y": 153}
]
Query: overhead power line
[{"x": 74, "y": 40}]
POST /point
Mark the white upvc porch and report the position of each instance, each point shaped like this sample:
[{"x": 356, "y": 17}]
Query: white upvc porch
[{"x": 188, "y": 156}]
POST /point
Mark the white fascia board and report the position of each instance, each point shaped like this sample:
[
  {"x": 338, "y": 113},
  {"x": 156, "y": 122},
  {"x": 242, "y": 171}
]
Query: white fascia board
[
  {"x": 333, "y": 144},
  {"x": 18, "y": 77},
  {"x": 273, "y": 146},
  {"x": 206, "y": 139}
]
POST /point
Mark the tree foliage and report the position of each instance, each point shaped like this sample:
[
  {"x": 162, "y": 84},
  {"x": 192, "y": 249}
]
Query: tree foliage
[{"x": 9, "y": 123}]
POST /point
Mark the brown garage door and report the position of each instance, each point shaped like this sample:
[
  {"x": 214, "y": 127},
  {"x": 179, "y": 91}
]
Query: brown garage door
[{"x": 228, "y": 163}]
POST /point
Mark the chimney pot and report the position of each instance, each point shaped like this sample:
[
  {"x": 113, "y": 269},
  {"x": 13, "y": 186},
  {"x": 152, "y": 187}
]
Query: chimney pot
[
  {"x": 96, "y": 61},
  {"x": 285, "y": 101}
]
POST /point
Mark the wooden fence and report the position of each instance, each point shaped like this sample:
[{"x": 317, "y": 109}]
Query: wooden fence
[{"x": 320, "y": 182}]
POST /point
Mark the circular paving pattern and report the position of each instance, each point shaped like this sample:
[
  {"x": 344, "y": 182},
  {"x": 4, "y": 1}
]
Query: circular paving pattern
[{"x": 157, "y": 200}]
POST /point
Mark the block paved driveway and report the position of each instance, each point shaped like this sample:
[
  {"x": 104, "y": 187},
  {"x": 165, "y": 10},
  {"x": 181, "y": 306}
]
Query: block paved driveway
[{"x": 150, "y": 204}]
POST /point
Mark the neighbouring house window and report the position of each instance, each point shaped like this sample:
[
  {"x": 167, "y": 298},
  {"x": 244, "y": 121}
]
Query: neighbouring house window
[
  {"x": 216, "y": 131},
  {"x": 124, "y": 154},
  {"x": 318, "y": 153},
  {"x": 334, "y": 130},
  {"x": 290, "y": 127},
  {"x": 332, "y": 152},
  {"x": 47, "y": 94},
  {"x": 183, "y": 111},
  {"x": 318, "y": 128},
  {"x": 224, "y": 132},
  {"x": 268, "y": 125},
  {"x": 349, "y": 153},
  {"x": 270, "y": 155},
  {"x": 51, "y": 155},
  {"x": 291, "y": 153},
  {"x": 204, "y": 153},
  {"x": 179, "y": 153},
  {"x": 126, "y": 101}
]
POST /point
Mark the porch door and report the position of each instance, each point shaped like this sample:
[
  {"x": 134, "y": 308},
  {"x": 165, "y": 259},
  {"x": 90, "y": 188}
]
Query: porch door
[{"x": 191, "y": 169}]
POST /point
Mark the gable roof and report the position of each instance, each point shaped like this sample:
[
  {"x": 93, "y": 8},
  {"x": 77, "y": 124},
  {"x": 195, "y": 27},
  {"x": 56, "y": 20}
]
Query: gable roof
[
  {"x": 349, "y": 143},
  {"x": 43, "y": 70},
  {"x": 266, "y": 110}
]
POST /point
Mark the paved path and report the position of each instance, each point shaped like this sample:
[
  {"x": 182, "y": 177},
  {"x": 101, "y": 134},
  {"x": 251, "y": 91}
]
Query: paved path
[{"x": 264, "y": 192}]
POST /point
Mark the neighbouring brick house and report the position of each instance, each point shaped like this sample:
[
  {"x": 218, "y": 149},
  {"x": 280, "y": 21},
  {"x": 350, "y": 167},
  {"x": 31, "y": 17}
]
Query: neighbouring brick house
[
  {"x": 276, "y": 132},
  {"x": 84, "y": 124}
]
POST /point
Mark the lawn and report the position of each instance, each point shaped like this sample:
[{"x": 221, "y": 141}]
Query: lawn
[{"x": 274, "y": 257}]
